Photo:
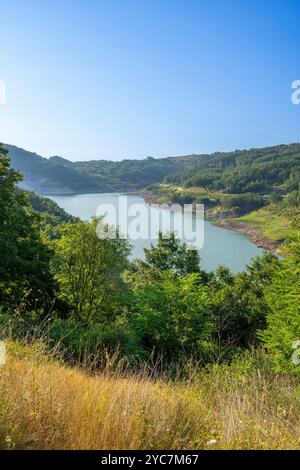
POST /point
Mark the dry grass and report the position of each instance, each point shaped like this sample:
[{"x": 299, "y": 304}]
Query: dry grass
[{"x": 46, "y": 405}]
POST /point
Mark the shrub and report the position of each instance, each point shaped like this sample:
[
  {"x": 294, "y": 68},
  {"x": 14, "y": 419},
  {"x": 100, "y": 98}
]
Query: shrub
[
  {"x": 283, "y": 320},
  {"x": 80, "y": 342}
]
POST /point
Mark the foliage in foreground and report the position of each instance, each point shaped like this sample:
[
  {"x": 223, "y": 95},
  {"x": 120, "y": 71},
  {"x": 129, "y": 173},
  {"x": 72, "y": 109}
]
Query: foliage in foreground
[
  {"x": 282, "y": 334},
  {"x": 24, "y": 268},
  {"x": 165, "y": 306},
  {"x": 88, "y": 271}
]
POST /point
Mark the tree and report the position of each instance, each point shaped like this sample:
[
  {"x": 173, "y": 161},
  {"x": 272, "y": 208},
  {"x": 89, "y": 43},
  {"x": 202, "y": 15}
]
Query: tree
[
  {"x": 293, "y": 199},
  {"x": 24, "y": 267},
  {"x": 283, "y": 319},
  {"x": 275, "y": 198},
  {"x": 239, "y": 306},
  {"x": 171, "y": 254},
  {"x": 171, "y": 317},
  {"x": 88, "y": 271}
]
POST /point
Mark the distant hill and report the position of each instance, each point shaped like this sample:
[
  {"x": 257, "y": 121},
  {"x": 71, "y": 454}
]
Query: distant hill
[
  {"x": 242, "y": 171},
  {"x": 259, "y": 170},
  {"x": 47, "y": 176},
  {"x": 58, "y": 175},
  {"x": 48, "y": 209}
]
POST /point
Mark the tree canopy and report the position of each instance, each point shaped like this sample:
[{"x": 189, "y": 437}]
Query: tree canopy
[{"x": 24, "y": 267}]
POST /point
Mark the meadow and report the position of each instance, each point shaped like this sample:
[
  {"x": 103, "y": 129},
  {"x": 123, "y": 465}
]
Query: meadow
[{"x": 46, "y": 404}]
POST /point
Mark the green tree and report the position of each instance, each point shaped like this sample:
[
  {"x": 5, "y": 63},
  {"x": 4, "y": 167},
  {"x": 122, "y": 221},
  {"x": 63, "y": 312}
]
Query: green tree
[
  {"x": 24, "y": 267},
  {"x": 239, "y": 306},
  {"x": 283, "y": 319},
  {"x": 293, "y": 199},
  {"x": 171, "y": 317},
  {"x": 88, "y": 271},
  {"x": 275, "y": 198},
  {"x": 171, "y": 254}
]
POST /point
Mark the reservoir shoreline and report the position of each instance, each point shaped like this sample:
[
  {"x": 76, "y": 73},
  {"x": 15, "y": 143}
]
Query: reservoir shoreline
[
  {"x": 220, "y": 248},
  {"x": 255, "y": 235},
  {"x": 228, "y": 223}
]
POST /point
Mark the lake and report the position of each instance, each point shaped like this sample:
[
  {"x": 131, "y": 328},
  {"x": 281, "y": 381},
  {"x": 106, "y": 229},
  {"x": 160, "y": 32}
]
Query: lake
[{"x": 221, "y": 246}]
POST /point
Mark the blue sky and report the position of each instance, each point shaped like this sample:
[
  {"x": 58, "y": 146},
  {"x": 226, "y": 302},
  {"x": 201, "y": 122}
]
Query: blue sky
[{"x": 126, "y": 79}]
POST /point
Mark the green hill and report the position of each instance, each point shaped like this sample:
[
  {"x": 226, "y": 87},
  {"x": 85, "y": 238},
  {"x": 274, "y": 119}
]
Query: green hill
[
  {"x": 46, "y": 176},
  {"x": 260, "y": 171},
  {"x": 58, "y": 175},
  {"x": 245, "y": 171}
]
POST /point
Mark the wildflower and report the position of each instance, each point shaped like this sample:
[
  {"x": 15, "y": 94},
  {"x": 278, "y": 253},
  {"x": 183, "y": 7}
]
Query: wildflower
[{"x": 211, "y": 442}]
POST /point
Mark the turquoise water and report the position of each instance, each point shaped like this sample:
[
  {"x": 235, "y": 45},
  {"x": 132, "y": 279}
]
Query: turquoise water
[{"x": 221, "y": 246}]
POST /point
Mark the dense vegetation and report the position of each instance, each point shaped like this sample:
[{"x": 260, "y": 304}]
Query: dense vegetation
[
  {"x": 58, "y": 175},
  {"x": 264, "y": 183},
  {"x": 48, "y": 209},
  {"x": 222, "y": 347},
  {"x": 24, "y": 270},
  {"x": 257, "y": 171},
  {"x": 55, "y": 271},
  {"x": 214, "y": 203},
  {"x": 245, "y": 171}
]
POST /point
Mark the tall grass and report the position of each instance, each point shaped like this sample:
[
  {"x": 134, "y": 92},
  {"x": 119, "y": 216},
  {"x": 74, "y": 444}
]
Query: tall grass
[{"x": 45, "y": 404}]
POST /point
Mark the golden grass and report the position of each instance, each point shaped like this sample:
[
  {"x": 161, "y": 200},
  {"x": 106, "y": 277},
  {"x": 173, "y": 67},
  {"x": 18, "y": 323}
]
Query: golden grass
[{"x": 47, "y": 405}]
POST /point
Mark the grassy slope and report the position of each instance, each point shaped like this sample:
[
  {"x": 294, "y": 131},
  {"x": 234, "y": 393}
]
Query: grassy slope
[
  {"x": 273, "y": 223},
  {"x": 277, "y": 223},
  {"x": 46, "y": 405}
]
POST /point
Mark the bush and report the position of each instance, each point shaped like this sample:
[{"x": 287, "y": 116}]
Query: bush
[
  {"x": 80, "y": 342},
  {"x": 242, "y": 204},
  {"x": 283, "y": 320},
  {"x": 171, "y": 317},
  {"x": 74, "y": 342}
]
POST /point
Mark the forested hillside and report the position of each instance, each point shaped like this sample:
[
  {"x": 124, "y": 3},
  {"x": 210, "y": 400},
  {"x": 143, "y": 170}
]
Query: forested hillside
[
  {"x": 256, "y": 171},
  {"x": 58, "y": 175},
  {"x": 261, "y": 185},
  {"x": 245, "y": 171}
]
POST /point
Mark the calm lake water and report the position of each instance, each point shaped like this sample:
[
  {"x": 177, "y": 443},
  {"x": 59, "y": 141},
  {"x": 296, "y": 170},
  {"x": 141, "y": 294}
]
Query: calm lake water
[{"x": 221, "y": 246}]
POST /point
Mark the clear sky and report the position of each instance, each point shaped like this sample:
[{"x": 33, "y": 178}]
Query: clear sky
[{"x": 130, "y": 78}]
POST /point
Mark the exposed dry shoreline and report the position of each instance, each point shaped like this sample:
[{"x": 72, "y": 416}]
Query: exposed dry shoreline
[{"x": 255, "y": 235}]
